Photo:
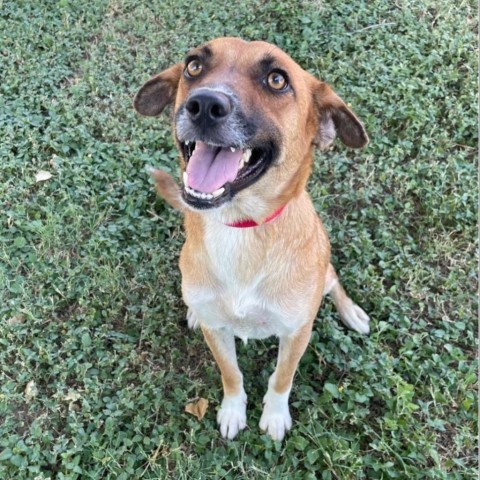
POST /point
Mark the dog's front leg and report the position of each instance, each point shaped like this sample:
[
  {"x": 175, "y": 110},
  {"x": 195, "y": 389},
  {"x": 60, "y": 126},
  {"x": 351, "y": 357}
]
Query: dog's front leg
[
  {"x": 276, "y": 419},
  {"x": 232, "y": 416}
]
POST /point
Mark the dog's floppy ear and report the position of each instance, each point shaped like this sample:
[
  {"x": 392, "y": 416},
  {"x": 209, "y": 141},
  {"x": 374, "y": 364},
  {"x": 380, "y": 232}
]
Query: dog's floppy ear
[
  {"x": 158, "y": 92},
  {"x": 335, "y": 118}
]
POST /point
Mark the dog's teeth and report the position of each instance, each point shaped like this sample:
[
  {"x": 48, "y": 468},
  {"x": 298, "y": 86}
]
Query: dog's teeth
[
  {"x": 218, "y": 192},
  {"x": 232, "y": 149},
  {"x": 185, "y": 178},
  {"x": 200, "y": 195},
  {"x": 187, "y": 142},
  {"x": 245, "y": 158}
]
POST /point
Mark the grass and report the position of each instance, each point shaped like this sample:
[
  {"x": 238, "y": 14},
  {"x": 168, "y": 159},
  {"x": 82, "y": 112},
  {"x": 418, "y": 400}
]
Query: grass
[{"x": 96, "y": 362}]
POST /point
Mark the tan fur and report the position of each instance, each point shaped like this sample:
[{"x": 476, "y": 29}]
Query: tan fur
[
  {"x": 231, "y": 375},
  {"x": 267, "y": 280},
  {"x": 167, "y": 188}
]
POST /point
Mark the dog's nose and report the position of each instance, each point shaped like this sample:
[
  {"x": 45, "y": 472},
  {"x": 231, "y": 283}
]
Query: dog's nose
[{"x": 208, "y": 108}]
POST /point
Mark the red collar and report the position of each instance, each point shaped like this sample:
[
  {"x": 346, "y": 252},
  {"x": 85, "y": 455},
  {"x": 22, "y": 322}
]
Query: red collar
[{"x": 252, "y": 223}]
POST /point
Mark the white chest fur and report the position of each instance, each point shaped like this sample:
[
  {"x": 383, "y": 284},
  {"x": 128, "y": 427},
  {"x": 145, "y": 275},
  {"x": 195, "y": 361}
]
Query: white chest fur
[{"x": 242, "y": 298}]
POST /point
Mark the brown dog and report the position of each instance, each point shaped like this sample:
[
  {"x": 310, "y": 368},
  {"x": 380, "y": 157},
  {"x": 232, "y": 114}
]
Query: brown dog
[{"x": 256, "y": 261}]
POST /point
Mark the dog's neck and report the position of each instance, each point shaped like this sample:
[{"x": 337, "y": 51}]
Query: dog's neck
[
  {"x": 250, "y": 223},
  {"x": 249, "y": 208}
]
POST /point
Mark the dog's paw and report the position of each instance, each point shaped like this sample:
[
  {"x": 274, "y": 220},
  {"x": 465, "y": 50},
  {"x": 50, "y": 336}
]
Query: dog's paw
[
  {"x": 355, "y": 318},
  {"x": 232, "y": 416},
  {"x": 276, "y": 419},
  {"x": 192, "y": 320}
]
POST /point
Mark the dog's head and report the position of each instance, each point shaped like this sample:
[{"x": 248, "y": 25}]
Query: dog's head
[{"x": 246, "y": 118}]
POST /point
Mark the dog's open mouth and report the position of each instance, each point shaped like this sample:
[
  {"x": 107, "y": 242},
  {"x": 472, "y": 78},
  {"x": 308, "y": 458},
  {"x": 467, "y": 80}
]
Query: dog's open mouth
[{"x": 215, "y": 174}]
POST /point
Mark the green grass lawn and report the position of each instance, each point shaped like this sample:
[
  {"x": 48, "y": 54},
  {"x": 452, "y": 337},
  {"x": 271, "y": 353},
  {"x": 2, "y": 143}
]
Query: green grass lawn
[{"x": 96, "y": 361}]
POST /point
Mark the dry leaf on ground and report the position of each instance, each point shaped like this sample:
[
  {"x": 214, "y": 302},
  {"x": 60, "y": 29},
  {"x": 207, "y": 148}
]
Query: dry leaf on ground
[
  {"x": 198, "y": 408},
  {"x": 31, "y": 391},
  {"x": 42, "y": 176},
  {"x": 72, "y": 397},
  {"x": 16, "y": 319}
]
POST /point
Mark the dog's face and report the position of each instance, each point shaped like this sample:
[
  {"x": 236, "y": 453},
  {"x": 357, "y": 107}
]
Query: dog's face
[{"x": 246, "y": 117}]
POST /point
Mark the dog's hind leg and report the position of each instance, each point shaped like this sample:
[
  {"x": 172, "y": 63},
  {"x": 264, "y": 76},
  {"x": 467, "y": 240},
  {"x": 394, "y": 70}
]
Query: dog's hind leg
[
  {"x": 192, "y": 320},
  {"x": 350, "y": 313}
]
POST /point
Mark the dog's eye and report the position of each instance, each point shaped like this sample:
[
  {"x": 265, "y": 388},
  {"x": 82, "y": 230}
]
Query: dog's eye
[
  {"x": 277, "y": 81},
  {"x": 194, "y": 68}
]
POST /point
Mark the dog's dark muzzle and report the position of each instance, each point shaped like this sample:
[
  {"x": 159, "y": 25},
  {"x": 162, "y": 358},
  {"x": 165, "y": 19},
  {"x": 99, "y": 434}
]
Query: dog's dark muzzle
[
  {"x": 208, "y": 109},
  {"x": 221, "y": 145},
  {"x": 213, "y": 115}
]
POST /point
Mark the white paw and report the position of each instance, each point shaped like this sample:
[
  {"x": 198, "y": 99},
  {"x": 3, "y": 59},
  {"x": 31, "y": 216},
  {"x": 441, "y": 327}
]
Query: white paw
[
  {"x": 192, "y": 320},
  {"x": 355, "y": 318},
  {"x": 276, "y": 419},
  {"x": 232, "y": 416}
]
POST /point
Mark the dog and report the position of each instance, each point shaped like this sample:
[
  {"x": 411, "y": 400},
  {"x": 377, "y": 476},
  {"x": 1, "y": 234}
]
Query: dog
[{"x": 256, "y": 260}]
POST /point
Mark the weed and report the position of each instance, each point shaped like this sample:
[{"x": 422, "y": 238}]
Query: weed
[{"x": 96, "y": 363}]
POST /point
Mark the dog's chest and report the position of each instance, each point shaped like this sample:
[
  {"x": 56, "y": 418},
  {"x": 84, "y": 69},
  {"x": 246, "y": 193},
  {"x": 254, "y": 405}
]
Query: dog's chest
[{"x": 242, "y": 298}]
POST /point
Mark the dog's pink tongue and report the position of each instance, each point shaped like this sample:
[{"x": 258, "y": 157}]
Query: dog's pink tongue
[{"x": 209, "y": 168}]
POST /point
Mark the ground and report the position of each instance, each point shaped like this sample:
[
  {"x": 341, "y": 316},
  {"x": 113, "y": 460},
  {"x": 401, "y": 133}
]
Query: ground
[{"x": 96, "y": 360}]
